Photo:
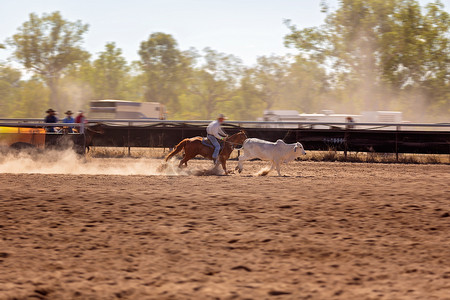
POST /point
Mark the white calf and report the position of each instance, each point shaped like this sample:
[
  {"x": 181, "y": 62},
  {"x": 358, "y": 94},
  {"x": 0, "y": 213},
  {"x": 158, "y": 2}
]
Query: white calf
[{"x": 277, "y": 153}]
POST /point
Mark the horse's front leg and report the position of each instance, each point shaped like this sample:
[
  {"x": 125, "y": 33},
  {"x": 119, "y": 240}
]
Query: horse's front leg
[{"x": 224, "y": 166}]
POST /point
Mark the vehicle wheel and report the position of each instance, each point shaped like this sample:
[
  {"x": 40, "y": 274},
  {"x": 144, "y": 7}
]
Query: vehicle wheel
[{"x": 22, "y": 146}]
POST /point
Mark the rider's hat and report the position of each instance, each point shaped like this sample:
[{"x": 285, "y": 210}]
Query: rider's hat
[
  {"x": 222, "y": 116},
  {"x": 50, "y": 110}
]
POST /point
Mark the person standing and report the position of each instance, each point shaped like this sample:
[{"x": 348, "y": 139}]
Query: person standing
[
  {"x": 50, "y": 118},
  {"x": 80, "y": 118},
  {"x": 214, "y": 132},
  {"x": 69, "y": 119},
  {"x": 350, "y": 122}
]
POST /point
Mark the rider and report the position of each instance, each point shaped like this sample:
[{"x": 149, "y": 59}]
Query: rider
[{"x": 215, "y": 132}]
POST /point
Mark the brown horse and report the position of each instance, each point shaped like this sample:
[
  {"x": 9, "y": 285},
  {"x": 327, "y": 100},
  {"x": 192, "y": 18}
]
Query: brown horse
[
  {"x": 194, "y": 146},
  {"x": 82, "y": 142},
  {"x": 90, "y": 132}
]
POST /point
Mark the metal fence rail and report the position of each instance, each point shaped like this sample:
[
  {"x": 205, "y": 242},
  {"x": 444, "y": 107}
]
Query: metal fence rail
[
  {"x": 363, "y": 137},
  {"x": 251, "y": 124}
]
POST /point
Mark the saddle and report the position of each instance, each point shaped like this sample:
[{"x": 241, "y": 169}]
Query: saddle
[{"x": 207, "y": 142}]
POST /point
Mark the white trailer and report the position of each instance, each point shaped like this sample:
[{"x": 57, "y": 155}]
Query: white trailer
[
  {"x": 121, "y": 109},
  {"x": 329, "y": 116}
]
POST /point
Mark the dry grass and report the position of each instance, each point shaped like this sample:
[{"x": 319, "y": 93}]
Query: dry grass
[
  {"x": 117, "y": 152},
  {"x": 373, "y": 157},
  {"x": 330, "y": 155}
]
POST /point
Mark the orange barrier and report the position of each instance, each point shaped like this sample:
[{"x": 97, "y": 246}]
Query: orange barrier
[{"x": 22, "y": 136}]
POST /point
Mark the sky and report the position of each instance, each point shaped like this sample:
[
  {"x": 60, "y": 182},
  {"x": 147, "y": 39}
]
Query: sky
[{"x": 245, "y": 28}]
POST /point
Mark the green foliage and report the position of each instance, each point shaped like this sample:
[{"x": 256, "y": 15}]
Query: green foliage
[
  {"x": 21, "y": 99},
  {"x": 368, "y": 55},
  {"x": 75, "y": 88},
  {"x": 9, "y": 89},
  {"x": 269, "y": 77},
  {"x": 47, "y": 46},
  {"x": 385, "y": 48},
  {"x": 107, "y": 77},
  {"x": 283, "y": 83},
  {"x": 110, "y": 74},
  {"x": 163, "y": 65},
  {"x": 134, "y": 89},
  {"x": 306, "y": 88},
  {"x": 32, "y": 99},
  {"x": 213, "y": 82},
  {"x": 247, "y": 104}
]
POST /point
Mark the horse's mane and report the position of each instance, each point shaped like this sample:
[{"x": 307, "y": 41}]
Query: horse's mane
[
  {"x": 232, "y": 138},
  {"x": 237, "y": 134}
]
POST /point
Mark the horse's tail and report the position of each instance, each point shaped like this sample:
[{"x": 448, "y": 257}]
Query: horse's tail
[{"x": 177, "y": 149}]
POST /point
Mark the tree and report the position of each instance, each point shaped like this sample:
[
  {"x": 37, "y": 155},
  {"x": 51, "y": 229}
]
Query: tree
[
  {"x": 269, "y": 77},
  {"x": 215, "y": 81},
  {"x": 306, "y": 87},
  {"x": 108, "y": 77},
  {"x": 110, "y": 73},
  {"x": 135, "y": 83},
  {"x": 247, "y": 104},
  {"x": 76, "y": 86},
  {"x": 9, "y": 89},
  {"x": 20, "y": 98},
  {"x": 375, "y": 48},
  {"x": 163, "y": 64},
  {"x": 47, "y": 46},
  {"x": 32, "y": 99}
]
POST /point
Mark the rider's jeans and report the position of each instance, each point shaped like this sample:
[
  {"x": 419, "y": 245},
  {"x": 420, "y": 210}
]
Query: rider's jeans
[{"x": 214, "y": 141}]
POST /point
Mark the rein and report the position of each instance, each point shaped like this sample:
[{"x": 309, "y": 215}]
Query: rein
[{"x": 231, "y": 143}]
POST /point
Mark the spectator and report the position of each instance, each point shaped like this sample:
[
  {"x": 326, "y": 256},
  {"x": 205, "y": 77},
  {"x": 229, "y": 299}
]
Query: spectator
[
  {"x": 81, "y": 119},
  {"x": 68, "y": 119},
  {"x": 50, "y": 118},
  {"x": 350, "y": 122}
]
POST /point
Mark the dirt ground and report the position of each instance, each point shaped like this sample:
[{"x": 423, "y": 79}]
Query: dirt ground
[{"x": 322, "y": 231}]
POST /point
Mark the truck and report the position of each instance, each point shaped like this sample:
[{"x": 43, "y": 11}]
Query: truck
[{"x": 122, "y": 109}]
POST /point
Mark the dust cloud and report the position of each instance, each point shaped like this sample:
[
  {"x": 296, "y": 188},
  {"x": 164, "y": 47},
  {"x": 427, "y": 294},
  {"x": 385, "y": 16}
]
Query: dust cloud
[{"x": 68, "y": 162}]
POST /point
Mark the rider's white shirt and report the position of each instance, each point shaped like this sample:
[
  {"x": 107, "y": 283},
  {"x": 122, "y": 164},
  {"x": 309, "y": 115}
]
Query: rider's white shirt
[{"x": 215, "y": 129}]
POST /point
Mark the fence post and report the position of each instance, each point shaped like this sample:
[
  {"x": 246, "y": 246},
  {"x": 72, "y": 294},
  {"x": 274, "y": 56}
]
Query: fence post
[
  {"x": 83, "y": 136},
  {"x": 396, "y": 144},
  {"x": 128, "y": 141},
  {"x": 345, "y": 144}
]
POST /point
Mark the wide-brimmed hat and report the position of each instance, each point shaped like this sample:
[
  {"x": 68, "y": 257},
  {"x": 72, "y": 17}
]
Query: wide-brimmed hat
[
  {"x": 50, "y": 110},
  {"x": 222, "y": 116},
  {"x": 69, "y": 112}
]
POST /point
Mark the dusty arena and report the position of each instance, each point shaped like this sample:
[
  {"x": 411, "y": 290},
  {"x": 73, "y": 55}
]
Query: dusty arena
[{"x": 102, "y": 228}]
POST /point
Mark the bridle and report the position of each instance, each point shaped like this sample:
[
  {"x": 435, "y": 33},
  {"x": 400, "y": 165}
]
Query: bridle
[{"x": 233, "y": 144}]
